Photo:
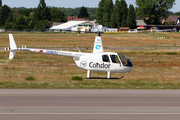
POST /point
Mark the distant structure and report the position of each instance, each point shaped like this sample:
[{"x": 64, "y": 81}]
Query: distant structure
[
  {"x": 74, "y": 26},
  {"x": 111, "y": 30},
  {"x": 97, "y": 28},
  {"x": 172, "y": 19},
  {"x": 2, "y": 30},
  {"x": 178, "y": 21},
  {"x": 140, "y": 22},
  {"x": 56, "y": 23},
  {"x": 69, "y": 18}
]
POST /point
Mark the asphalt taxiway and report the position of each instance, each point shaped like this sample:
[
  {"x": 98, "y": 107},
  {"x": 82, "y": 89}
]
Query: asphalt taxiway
[{"x": 20, "y": 104}]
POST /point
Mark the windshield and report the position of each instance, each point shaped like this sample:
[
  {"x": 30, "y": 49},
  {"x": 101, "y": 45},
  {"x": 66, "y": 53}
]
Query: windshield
[{"x": 125, "y": 60}]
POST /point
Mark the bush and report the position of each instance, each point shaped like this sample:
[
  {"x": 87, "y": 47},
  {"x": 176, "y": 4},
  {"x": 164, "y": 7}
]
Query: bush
[
  {"x": 77, "y": 78},
  {"x": 30, "y": 78}
]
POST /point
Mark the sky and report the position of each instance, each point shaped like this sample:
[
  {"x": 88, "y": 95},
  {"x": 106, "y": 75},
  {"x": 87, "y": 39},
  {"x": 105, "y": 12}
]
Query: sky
[{"x": 69, "y": 3}]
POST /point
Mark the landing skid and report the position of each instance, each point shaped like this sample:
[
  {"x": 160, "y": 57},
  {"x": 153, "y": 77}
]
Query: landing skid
[{"x": 103, "y": 78}]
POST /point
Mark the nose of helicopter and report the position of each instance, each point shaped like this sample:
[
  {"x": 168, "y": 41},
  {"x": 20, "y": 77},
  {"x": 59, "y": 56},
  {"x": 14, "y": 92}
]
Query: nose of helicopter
[{"x": 127, "y": 68}]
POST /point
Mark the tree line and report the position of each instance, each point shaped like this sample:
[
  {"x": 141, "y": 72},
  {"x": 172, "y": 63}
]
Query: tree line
[
  {"x": 154, "y": 11},
  {"x": 75, "y": 12},
  {"x": 41, "y": 17},
  {"x": 32, "y": 18},
  {"x": 120, "y": 15},
  {"x": 107, "y": 14},
  {"x": 116, "y": 15}
]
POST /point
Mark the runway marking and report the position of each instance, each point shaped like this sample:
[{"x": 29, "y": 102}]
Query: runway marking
[{"x": 89, "y": 113}]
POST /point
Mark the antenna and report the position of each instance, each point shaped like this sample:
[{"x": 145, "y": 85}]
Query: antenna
[
  {"x": 78, "y": 49},
  {"x": 99, "y": 34}
]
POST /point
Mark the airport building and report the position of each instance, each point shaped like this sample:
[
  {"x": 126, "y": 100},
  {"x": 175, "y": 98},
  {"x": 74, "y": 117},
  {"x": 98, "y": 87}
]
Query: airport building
[{"x": 77, "y": 26}]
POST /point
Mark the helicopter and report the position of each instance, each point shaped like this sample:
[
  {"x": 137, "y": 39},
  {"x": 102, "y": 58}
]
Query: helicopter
[{"x": 99, "y": 60}]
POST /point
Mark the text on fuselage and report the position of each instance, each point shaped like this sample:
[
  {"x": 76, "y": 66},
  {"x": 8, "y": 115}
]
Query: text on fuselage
[{"x": 97, "y": 65}]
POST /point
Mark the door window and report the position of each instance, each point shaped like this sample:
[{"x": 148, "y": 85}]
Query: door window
[
  {"x": 114, "y": 59},
  {"x": 105, "y": 58}
]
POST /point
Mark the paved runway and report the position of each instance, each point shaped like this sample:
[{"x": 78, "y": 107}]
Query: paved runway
[{"x": 89, "y": 104}]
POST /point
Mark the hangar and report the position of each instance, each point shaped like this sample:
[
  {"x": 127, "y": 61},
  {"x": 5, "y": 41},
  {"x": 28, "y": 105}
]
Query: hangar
[{"x": 80, "y": 25}]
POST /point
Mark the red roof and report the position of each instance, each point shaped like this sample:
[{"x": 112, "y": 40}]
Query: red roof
[
  {"x": 141, "y": 26},
  {"x": 74, "y": 18}
]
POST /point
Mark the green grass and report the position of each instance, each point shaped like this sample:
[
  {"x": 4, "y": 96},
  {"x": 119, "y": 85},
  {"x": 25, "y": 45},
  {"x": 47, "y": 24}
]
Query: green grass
[
  {"x": 77, "y": 78},
  {"x": 165, "y": 53},
  {"x": 153, "y": 69},
  {"x": 30, "y": 78}
]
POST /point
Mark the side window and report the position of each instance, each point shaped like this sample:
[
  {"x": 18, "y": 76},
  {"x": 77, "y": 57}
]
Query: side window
[
  {"x": 105, "y": 58},
  {"x": 115, "y": 59}
]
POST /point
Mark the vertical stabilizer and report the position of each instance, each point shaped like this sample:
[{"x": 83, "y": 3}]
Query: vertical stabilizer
[
  {"x": 13, "y": 47},
  {"x": 98, "y": 46},
  {"x": 12, "y": 42}
]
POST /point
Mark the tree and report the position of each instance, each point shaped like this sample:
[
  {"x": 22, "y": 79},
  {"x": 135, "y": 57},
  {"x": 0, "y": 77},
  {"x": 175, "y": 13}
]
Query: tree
[
  {"x": 113, "y": 18},
  {"x": 176, "y": 13},
  {"x": 5, "y": 14},
  {"x": 21, "y": 23},
  {"x": 83, "y": 13},
  {"x": 124, "y": 11},
  {"x": 9, "y": 18},
  {"x": 131, "y": 19},
  {"x": 32, "y": 21},
  {"x": 75, "y": 12},
  {"x": 42, "y": 16},
  {"x": 57, "y": 15},
  {"x": 9, "y": 25},
  {"x": 153, "y": 11},
  {"x": 108, "y": 9},
  {"x": 0, "y": 3},
  {"x": 21, "y": 20},
  {"x": 100, "y": 12},
  {"x": 42, "y": 12},
  {"x": 25, "y": 11},
  {"x": 43, "y": 24},
  {"x": 119, "y": 13}
]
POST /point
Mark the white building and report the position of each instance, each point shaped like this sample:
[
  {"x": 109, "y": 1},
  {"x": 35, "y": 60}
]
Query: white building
[
  {"x": 97, "y": 28},
  {"x": 2, "y": 30},
  {"x": 78, "y": 26},
  {"x": 111, "y": 30},
  {"x": 73, "y": 26}
]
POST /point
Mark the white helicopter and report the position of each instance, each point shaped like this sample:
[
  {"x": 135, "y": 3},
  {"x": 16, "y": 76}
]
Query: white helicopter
[{"x": 99, "y": 60}]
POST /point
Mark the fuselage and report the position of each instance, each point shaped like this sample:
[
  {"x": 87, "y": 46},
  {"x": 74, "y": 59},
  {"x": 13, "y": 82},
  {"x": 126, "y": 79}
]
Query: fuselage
[{"x": 105, "y": 62}]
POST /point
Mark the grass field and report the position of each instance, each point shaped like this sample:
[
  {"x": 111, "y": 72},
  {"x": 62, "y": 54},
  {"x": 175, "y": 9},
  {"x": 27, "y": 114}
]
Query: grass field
[{"x": 153, "y": 68}]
